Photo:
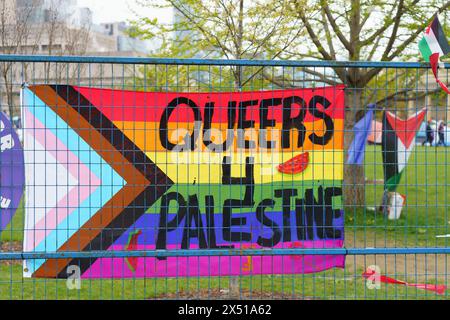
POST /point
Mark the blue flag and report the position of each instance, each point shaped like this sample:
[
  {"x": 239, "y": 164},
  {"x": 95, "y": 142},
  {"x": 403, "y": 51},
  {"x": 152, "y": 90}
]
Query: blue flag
[{"x": 361, "y": 132}]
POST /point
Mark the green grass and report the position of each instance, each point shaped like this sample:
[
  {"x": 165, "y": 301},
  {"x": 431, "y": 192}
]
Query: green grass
[
  {"x": 426, "y": 186},
  {"x": 14, "y": 231},
  {"x": 332, "y": 284}
]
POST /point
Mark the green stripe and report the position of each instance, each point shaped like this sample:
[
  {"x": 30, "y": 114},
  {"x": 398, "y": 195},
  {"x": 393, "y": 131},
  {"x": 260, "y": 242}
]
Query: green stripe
[
  {"x": 262, "y": 191},
  {"x": 392, "y": 183},
  {"x": 424, "y": 49}
]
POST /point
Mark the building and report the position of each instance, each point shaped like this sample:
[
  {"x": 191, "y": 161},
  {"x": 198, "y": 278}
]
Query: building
[
  {"x": 65, "y": 14},
  {"x": 125, "y": 43},
  {"x": 60, "y": 27},
  {"x": 41, "y": 11}
]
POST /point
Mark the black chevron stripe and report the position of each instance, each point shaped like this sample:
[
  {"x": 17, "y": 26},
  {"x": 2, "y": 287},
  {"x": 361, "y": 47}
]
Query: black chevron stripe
[{"x": 160, "y": 182}]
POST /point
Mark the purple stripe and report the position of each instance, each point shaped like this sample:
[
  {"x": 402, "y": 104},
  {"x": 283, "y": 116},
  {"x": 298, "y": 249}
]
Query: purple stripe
[
  {"x": 149, "y": 224},
  {"x": 218, "y": 266}
]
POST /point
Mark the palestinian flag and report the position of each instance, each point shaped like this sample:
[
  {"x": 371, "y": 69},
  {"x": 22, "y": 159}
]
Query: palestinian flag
[
  {"x": 434, "y": 45},
  {"x": 434, "y": 41},
  {"x": 398, "y": 140}
]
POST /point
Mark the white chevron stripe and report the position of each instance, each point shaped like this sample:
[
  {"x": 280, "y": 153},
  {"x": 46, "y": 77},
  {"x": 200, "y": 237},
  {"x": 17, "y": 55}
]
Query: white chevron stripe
[{"x": 403, "y": 154}]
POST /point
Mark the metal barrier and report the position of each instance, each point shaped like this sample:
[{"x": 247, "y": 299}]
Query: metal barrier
[{"x": 414, "y": 247}]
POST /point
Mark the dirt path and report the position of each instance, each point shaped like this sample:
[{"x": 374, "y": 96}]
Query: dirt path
[
  {"x": 224, "y": 294},
  {"x": 9, "y": 247}
]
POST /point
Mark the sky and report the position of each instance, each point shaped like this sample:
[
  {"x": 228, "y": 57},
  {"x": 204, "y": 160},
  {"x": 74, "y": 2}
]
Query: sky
[{"x": 120, "y": 10}]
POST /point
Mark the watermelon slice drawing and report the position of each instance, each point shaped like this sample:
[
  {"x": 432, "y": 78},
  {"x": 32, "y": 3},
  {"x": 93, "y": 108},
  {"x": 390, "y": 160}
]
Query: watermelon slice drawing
[
  {"x": 130, "y": 246},
  {"x": 295, "y": 165}
]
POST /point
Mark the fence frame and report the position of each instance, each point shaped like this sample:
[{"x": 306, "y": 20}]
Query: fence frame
[
  {"x": 217, "y": 62},
  {"x": 12, "y": 255}
]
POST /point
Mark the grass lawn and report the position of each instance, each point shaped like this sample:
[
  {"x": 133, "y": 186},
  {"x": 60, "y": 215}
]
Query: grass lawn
[
  {"x": 426, "y": 184},
  {"x": 331, "y": 284}
]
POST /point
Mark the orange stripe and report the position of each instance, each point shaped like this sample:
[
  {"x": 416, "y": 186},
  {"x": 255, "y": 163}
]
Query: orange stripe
[{"x": 146, "y": 135}]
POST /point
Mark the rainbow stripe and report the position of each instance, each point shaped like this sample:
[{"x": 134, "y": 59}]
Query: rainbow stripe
[{"x": 118, "y": 173}]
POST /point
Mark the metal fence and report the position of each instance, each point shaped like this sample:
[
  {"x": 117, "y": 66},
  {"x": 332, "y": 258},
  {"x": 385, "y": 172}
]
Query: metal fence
[{"x": 413, "y": 248}]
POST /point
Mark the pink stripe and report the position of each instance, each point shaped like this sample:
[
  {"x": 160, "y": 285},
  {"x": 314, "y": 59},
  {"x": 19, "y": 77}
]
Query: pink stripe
[
  {"x": 87, "y": 182},
  {"x": 219, "y": 266}
]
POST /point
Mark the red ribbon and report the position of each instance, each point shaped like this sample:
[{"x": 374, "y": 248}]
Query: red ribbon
[
  {"x": 434, "y": 60},
  {"x": 439, "y": 289}
]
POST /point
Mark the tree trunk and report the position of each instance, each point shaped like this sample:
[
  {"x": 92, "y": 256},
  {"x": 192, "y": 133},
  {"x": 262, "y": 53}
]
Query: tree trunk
[
  {"x": 354, "y": 179},
  {"x": 6, "y": 68},
  {"x": 10, "y": 100}
]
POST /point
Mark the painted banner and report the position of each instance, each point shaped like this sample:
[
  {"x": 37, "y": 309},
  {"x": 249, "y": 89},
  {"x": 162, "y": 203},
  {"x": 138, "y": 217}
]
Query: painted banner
[
  {"x": 125, "y": 170},
  {"x": 12, "y": 171}
]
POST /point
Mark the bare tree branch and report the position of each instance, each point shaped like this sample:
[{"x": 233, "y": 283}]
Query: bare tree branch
[
  {"x": 393, "y": 36},
  {"x": 337, "y": 30},
  {"x": 328, "y": 36}
]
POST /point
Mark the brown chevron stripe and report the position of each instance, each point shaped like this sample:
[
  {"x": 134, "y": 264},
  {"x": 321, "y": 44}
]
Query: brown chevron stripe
[{"x": 145, "y": 181}]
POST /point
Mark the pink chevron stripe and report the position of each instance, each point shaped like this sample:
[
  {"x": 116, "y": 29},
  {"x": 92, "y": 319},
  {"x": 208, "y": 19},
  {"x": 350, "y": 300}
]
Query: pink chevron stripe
[{"x": 88, "y": 182}]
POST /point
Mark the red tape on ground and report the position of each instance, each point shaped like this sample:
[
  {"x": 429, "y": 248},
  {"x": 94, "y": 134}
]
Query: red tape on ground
[{"x": 371, "y": 274}]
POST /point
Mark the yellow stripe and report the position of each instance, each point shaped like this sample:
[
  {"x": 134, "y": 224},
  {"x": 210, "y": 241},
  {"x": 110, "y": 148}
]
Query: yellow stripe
[{"x": 206, "y": 167}]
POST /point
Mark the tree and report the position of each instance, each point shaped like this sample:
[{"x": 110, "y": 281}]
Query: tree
[
  {"x": 300, "y": 29},
  {"x": 62, "y": 38},
  {"x": 15, "y": 38},
  {"x": 293, "y": 29},
  {"x": 364, "y": 30},
  {"x": 23, "y": 31},
  {"x": 231, "y": 29}
]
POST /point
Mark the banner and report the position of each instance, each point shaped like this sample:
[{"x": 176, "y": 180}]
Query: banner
[
  {"x": 124, "y": 170},
  {"x": 12, "y": 172}
]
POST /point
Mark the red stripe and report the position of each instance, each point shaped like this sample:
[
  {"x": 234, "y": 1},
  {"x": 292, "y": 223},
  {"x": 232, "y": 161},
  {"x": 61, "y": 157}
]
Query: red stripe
[
  {"x": 123, "y": 105},
  {"x": 406, "y": 129}
]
